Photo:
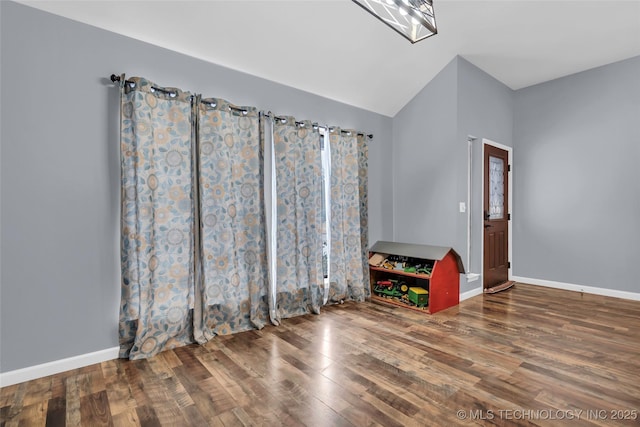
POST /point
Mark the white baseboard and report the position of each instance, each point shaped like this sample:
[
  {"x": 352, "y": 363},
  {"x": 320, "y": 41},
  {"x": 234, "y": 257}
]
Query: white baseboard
[
  {"x": 472, "y": 277},
  {"x": 57, "y": 366},
  {"x": 470, "y": 294},
  {"x": 579, "y": 288}
]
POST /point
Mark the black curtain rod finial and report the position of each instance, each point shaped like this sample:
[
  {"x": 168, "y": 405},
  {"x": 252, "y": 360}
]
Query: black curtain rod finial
[{"x": 115, "y": 78}]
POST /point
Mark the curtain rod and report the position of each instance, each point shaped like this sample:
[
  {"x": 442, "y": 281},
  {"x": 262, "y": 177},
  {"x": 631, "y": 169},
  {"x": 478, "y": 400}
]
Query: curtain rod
[
  {"x": 114, "y": 78},
  {"x": 315, "y": 125}
]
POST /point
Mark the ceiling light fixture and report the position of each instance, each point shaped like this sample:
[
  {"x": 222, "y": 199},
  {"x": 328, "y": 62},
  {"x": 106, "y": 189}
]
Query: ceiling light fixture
[{"x": 413, "y": 19}]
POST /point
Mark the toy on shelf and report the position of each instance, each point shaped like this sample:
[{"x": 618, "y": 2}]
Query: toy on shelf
[
  {"x": 419, "y": 296},
  {"x": 400, "y": 291},
  {"x": 401, "y": 263},
  {"x": 388, "y": 288}
]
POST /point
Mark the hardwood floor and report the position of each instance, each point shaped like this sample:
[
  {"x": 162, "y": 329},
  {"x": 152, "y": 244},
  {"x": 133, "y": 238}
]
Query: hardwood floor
[{"x": 527, "y": 356}]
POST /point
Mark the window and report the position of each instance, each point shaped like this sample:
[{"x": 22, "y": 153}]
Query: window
[{"x": 326, "y": 208}]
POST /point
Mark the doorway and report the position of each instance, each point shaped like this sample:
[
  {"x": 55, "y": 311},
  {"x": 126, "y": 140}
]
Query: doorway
[{"x": 496, "y": 216}]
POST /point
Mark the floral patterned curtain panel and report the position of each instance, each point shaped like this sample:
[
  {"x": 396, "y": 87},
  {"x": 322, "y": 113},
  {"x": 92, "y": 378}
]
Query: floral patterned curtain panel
[
  {"x": 299, "y": 286},
  {"x": 363, "y": 188},
  {"x": 348, "y": 278},
  {"x": 157, "y": 243},
  {"x": 234, "y": 268}
]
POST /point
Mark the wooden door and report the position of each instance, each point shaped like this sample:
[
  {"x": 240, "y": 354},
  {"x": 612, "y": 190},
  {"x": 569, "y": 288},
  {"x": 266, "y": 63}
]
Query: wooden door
[{"x": 496, "y": 216}]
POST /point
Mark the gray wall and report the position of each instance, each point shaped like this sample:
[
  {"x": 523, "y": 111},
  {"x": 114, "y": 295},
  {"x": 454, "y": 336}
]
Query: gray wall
[
  {"x": 425, "y": 164},
  {"x": 576, "y": 183},
  {"x": 577, "y": 180},
  {"x": 485, "y": 110},
  {"x": 60, "y": 276},
  {"x": 430, "y": 157}
]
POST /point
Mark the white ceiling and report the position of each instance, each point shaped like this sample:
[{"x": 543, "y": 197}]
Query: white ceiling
[{"x": 336, "y": 49}]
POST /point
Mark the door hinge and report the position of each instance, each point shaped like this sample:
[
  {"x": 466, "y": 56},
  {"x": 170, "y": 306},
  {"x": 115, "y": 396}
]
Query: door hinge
[
  {"x": 508, "y": 168},
  {"x": 509, "y": 264},
  {"x": 508, "y": 217}
]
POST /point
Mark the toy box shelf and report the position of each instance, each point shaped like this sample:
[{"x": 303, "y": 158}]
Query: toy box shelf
[
  {"x": 442, "y": 284},
  {"x": 419, "y": 276}
]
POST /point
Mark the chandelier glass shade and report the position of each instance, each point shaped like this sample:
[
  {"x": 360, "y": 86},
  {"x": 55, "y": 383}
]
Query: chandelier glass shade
[{"x": 413, "y": 19}]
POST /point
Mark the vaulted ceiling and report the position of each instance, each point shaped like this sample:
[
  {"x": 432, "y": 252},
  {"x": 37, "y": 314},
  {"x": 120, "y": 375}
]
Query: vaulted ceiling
[{"x": 335, "y": 49}]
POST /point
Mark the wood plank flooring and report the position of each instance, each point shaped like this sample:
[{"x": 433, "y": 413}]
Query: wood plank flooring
[{"x": 527, "y": 356}]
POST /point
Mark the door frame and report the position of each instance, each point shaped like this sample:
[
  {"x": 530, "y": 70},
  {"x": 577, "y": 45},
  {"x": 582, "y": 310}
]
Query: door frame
[{"x": 509, "y": 150}]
